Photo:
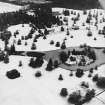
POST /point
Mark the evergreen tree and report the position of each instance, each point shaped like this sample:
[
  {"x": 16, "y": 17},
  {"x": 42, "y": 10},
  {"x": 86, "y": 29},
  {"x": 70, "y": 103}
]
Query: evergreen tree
[
  {"x": 64, "y": 92},
  {"x": 69, "y": 53},
  {"x": 31, "y": 62},
  {"x": 33, "y": 47},
  {"x": 51, "y": 42},
  {"x": 2, "y": 55},
  {"x": 44, "y": 37},
  {"x": 19, "y": 42},
  {"x": 71, "y": 73},
  {"x": 12, "y": 49},
  {"x": 20, "y": 63},
  {"x": 6, "y": 59},
  {"x": 60, "y": 77},
  {"x": 46, "y": 32},
  {"x": 49, "y": 65},
  {"x": 63, "y": 46},
  {"x": 56, "y": 64}
]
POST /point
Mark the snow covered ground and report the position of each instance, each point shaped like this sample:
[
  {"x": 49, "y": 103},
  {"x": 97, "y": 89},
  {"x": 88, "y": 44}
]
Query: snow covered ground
[
  {"x": 29, "y": 90},
  {"x": 6, "y": 7},
  {"x": 79, "y": 36}
]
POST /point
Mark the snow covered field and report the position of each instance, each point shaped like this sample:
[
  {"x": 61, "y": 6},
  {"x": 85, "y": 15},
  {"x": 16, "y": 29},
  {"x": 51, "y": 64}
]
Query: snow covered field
[
  {"x": 29, "y": 90},
  {"x": 79, "y": 36},
  {"x": 6, "y": 7}
]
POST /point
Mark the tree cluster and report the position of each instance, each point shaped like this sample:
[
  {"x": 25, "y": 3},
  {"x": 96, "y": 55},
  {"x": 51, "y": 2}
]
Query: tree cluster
[
  {"x": 77, "y": 99},
  {"x": 13, "y": 74},
  {"x": 41, "y": 19},
  {"x": 36, "y": 63}
]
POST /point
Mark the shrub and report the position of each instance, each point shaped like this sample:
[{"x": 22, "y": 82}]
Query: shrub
[
  {"x": 100, "y": 32},
  {"x": 63, "y": 56},
  {"x": 51, "y": 42},
  {"x": 68, "y": 33},
  {"x": 90, "y": 75},
  {"x": 22, "y": 25},
  {"x": 22, "y": 38},
  {"x": 35, "y": 40},
  {"x": 13, "y": 74},
  {"x": 96, "y": 68},
  {"x": 20, "y": 63},
  {"x": 71, "y": 73},
  {"x": 65, "y": 19},
  {"x": 95, "y": 78},
  {"x": 95, "y": 38},
  {"x": 57, "y": 44},
  {"x": 62, "y": 28},
  {"x": 101, "y": 82},
  {"x": 79, "y": 73},
  {"x": 38, "y": 74},
  {"x": 91, "y": 70},
  {"x": 75, "y": 97},
  {"x": 89, "y": 33},
  {"x": 71, "y": 36},
  {"x": 84, "y": 12},
  {"x": 17, "y": 32},
  {"x": 26, "y": 43},
  {"x": 64, "y": 92}
]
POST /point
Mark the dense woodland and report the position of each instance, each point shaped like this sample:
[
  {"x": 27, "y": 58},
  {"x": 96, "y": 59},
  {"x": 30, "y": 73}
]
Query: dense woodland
[{"x": 43, "y": 18}]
